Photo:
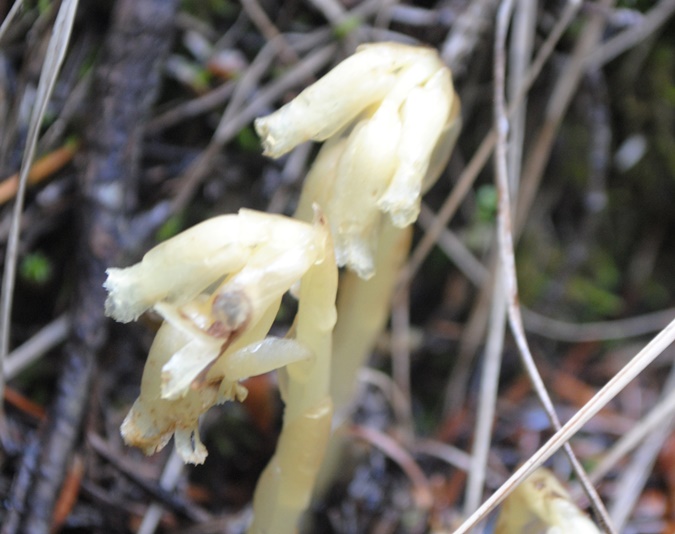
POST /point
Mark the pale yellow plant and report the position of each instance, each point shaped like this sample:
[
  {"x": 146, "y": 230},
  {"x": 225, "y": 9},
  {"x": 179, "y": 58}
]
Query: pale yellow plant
[
  {"x": 218, "y": 287},
  {"x": 542, "y": 505},
  {"x": 390, "y": 116}
]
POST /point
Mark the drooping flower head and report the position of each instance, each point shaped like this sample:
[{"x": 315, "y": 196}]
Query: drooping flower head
[
  {"x": 390, "y": 116},
  {"x": 218, "y": 287}
]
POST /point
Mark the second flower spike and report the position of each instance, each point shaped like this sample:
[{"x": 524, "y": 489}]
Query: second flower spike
[{"x": 390, "y": 117}]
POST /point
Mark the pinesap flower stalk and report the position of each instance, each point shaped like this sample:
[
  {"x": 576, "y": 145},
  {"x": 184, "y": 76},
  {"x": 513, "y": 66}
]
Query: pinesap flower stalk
[
  {"x": 285, "y": 488},
  {"x": 542, "y": 504},
  {"x": 389, "y": 117}
]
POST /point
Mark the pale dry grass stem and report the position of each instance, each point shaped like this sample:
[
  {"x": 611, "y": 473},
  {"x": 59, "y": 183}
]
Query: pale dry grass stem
[{"x": 56, "y": 53}]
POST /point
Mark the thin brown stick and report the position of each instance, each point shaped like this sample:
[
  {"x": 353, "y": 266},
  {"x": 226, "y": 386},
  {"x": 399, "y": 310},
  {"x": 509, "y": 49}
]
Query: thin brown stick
[
  {"x": 466, "y": 33},
  {"x": 631, "y": 481},
  {"x": 192, "y": 108},
  {"x": 47, "y": 338},
  {"x": 658, "y": 417},
  {"x": 471, "y": 339},
  {"x": 43, "y": 168},
  {"x": 238, "y": 115},
  {"x": 521, "y": 42},
  {"x": 653, "y": 20},
  {"x": 454, "y": 457},
  {"x": 171, "y": 474},
  {"x": 487, "y": 401},
  {"x": 13, "y": 12},
  {"x": 568, "y": 81},
  {"x": 258, "y": 16},
  {"x": 638, "y": 325}
]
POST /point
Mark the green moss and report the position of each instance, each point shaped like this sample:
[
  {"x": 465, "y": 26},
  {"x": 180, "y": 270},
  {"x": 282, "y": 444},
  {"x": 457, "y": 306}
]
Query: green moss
[
  {"x": 36, "y": 268},
  {"x": 594, "y": 300},
  {"x": 248, "y": 141},
  {"x": 207, "y": 8},
  {"x": 606, "y": 274}
]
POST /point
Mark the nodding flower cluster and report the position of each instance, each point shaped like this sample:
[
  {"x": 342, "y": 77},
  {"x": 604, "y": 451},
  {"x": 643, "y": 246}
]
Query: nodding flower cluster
[
  {"x": 218, "y": 287},
  {"x": 390, "y": 117}
]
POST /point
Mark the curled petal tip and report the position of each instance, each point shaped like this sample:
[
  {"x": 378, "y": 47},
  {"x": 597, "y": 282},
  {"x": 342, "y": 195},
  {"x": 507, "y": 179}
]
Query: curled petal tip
[
  {"x": 122, "y": 303},
  {"x": 138, "y": 432},
  {"x": 190, "y": 447},
  {"x": 268, "y": 141}
]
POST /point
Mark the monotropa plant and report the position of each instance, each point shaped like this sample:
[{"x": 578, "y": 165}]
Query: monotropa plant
[{"x": 389, "y": 116}]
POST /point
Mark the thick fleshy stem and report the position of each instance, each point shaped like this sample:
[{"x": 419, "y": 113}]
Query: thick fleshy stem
[{"x": 286, "y": 485}]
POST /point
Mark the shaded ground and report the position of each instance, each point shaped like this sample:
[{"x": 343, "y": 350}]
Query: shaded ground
[{"x": 155, "y": 104}]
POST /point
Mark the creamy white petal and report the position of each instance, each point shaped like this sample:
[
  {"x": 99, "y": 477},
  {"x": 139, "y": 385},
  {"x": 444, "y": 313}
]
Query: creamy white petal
[
  {"x": 180, "y": 268},
  {"x": 331, "y": 103},
  {"x": 264, "y": 356},
  {"x": 423, "y": 116},
  {"x": 364, "y": 173},
  {"x": 190, "y": 447},
  {"x": 320, "y": 180},
  {"x": 185, "y": 366}
]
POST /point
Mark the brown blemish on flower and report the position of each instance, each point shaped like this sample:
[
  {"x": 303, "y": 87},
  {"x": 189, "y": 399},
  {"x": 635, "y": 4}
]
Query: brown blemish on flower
[{"x": 231, "y": 310}]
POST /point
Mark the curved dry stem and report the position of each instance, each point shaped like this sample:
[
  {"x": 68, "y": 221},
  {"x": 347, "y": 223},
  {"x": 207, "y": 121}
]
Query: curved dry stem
[
  {"x": 522, "y": 38},
  {"x": 638, "y": 364},
  {"x": 507, "y": 259},
  {"x": 631, "y": 481},
  {"x": 488, "y": 398},
  {"x": 658, "y": 417}
]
